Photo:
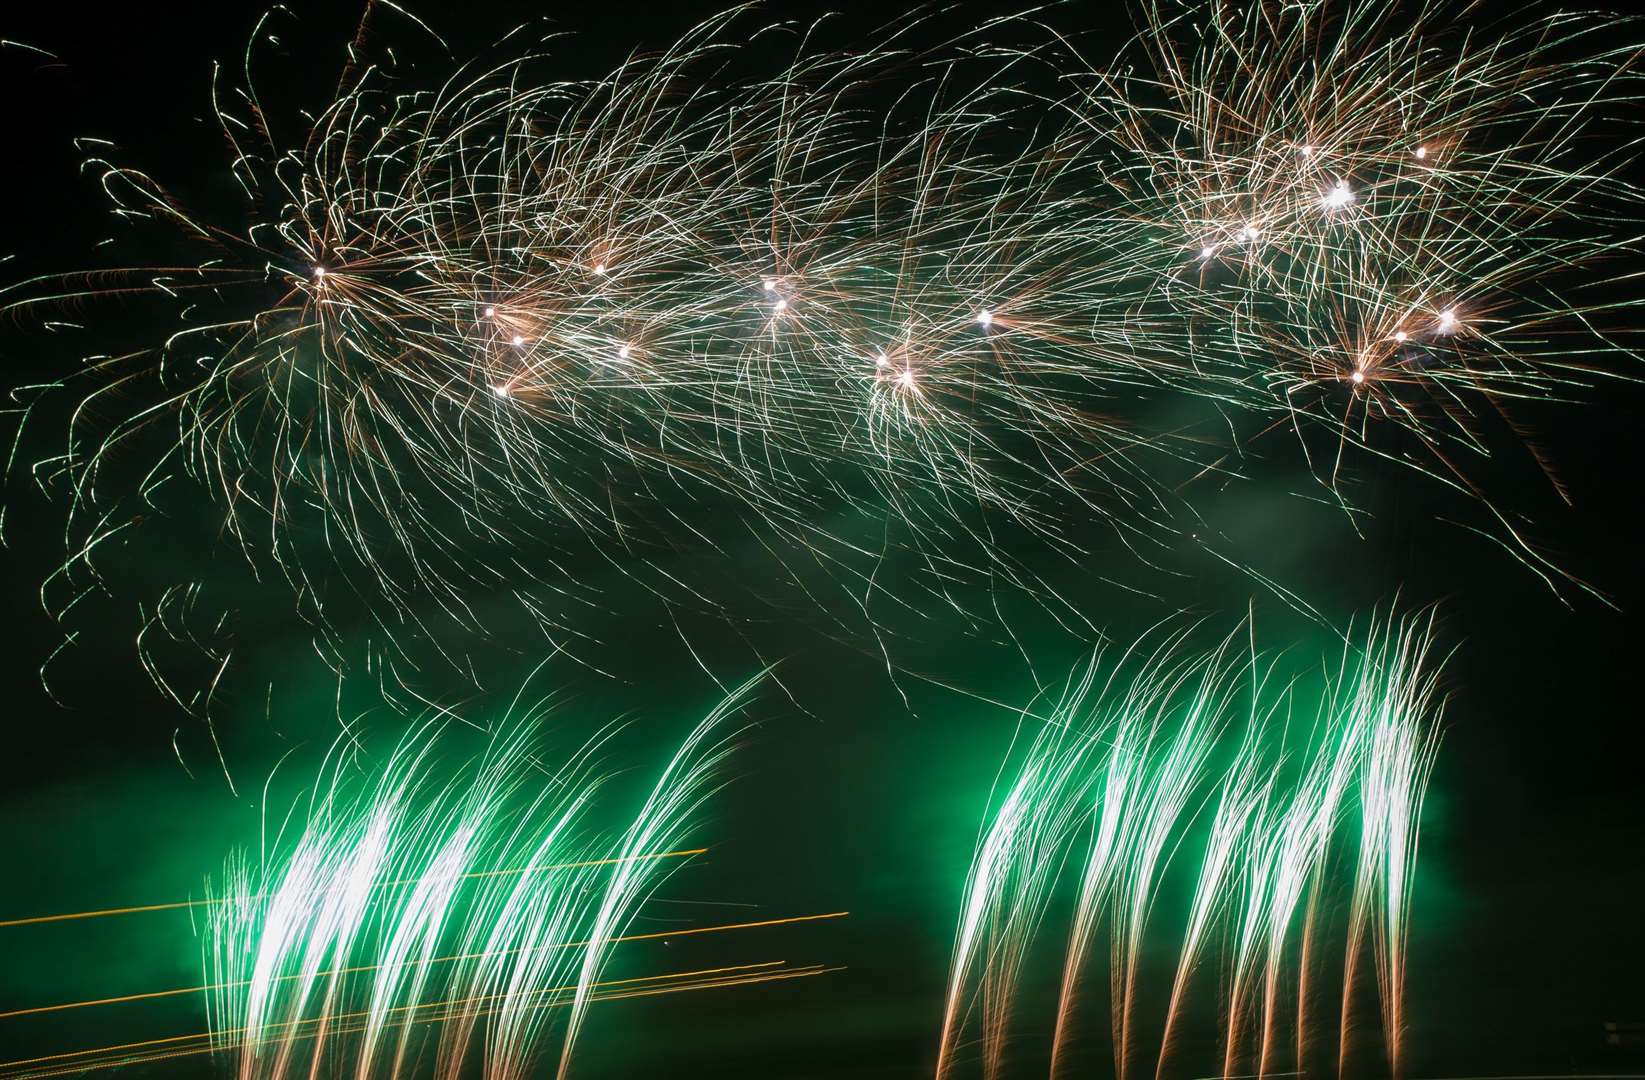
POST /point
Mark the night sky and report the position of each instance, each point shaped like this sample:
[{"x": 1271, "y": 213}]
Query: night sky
[{"x": 854, "y": 792}]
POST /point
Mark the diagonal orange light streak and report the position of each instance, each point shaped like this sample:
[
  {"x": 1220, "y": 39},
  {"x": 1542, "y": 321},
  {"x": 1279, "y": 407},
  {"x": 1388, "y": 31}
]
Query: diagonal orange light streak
[
  {"x": 651, "y": 936},
  {"x": 177, "y": 904},
  {"x": 721, "y": 977}
]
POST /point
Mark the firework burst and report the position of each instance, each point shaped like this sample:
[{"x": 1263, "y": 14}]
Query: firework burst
[
  {"x": 1388, "y": 226},
  {"x": 1121, "y": 782},
  {"x": 471, "y": 324}
]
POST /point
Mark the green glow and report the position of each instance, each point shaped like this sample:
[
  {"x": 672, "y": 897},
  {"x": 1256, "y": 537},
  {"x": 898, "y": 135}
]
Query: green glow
[
  {"x": 471, "y": 896},
  {"x": 1135, "y": 769}
]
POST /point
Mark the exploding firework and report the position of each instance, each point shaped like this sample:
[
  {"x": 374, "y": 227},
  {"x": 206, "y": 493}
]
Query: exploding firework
[
  {"x": 1388, "y": 226},
  {"x": 470, "y": 324},
  {"x": 1121, "y": 780}
]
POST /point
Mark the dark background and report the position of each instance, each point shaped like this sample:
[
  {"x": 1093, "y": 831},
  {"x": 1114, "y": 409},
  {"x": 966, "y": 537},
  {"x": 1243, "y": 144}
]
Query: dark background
[{"x": 1529, "y": 934}]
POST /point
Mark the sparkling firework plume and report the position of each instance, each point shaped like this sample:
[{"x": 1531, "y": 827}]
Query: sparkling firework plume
[
  {"x": 1117, "y": 781},
  {"x": 465, "y": 327},
  {"x": 430, "y": 913}
]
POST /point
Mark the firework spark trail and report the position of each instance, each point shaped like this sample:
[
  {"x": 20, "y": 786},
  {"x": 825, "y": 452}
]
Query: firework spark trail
[
  {"x": 467, "y": 326},
  {"x": 1174, "y": 775},
  {"x": 1147, "y": 780},
  {"x": 1010, "y": 878},
  {"x": 438, "y": 301},
  {"x": 1139, "y": 761},
  {"x": 1383, "y": 223},
  {"x": 1292, "y": 853},
  {"x": 1244, "y": 792},
  {"x": 684, "y": 786},
  {"x": 1399, "y": 757},
  {"x": 310, "y": 956}
]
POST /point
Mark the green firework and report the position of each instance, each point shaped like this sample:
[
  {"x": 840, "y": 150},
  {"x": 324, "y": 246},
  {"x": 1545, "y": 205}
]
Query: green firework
[
  {"x": 1124, "y": 781},
  {"x": 428, "y": 911}
]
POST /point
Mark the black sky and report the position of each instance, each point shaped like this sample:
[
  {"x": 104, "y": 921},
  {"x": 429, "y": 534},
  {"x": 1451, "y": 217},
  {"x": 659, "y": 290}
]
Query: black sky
[{"x": 1531, "y": 924}]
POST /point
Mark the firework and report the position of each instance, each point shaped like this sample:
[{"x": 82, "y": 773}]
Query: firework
[
  {"x": 1388, "y": 226},
  {"x": 417, "y": 896},
  {"x": 1125, "y": 776},
  {"x": 1008, "y": 886},
  {"x": 472, "y": 323}
]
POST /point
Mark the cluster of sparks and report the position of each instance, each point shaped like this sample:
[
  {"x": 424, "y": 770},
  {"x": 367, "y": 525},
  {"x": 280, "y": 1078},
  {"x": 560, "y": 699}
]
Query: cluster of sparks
[
  {"x": 949, "y": 290},
  {"x": 916, "y": 285},
  {"x": 1120, "y": 779},
  {"x": 477, "y": 902}
]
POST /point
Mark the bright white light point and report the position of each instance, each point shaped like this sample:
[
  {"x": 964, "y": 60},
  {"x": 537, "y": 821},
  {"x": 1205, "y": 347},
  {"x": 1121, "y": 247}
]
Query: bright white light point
[
  {"x": 1358, "y": 376},
  {"x": 1400, "y": 335},
  {"x": 985, "y": 317},
  {"x": 781, "y": 305},
  {"x": 490, "y": 311},
  {"x": 1207, "y": 251},
  {"x": 1250, "y": 232},
  {"x": 319, "y": 271},
  {"x": 519, "y": 339},
  {"x": 1448, "y": 319},
  {"x": 1422, "y": 152},
  {"x": 500, "y": 391},
  {"x": 881, "y": 361},
  {"x": 906, "y": 379},
  {"x": 599, "y": 268},
  {"x": 623, "y": 352},
  {"x": 1307, "y": 151},
  {"x": 769, "y": 285},
  {"x": 1339, "y": 196}
]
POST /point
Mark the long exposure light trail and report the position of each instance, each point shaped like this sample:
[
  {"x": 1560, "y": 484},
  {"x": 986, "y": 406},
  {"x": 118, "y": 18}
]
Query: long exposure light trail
[
  {"x": 181, "y": 905},
  {"x": 655, "y": 935},
  {"x": 51, "y": 1065}
]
